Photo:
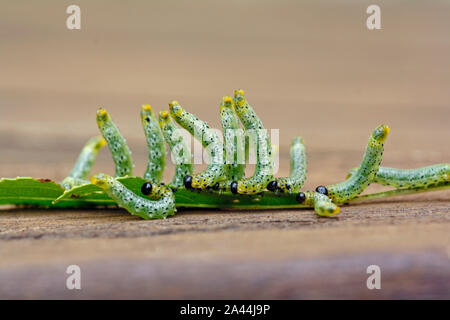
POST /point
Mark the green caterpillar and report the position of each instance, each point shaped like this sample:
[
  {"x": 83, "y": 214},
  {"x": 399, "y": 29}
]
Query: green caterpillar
[
  {"x": 295, "y": 181},
  {"x": 235, "y": 154},
  {"x": 136, "y": 205},
  {"x": 352, "y": 187},
  {"x": 213, "y": 185},
  {"x": 209, "y": 139},
  {"x": 155, "y": 143},
  {"x": 263, "y": 174},
  {"x": 82, "y": 168},
  {"x": 117, "y": 144},
  {"x": 180, "y": 151},
  {"x": 411, "y": 178}
]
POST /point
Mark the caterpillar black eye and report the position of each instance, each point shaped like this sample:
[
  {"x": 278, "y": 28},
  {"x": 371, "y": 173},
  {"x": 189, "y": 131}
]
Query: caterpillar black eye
[
  {"x": 233, "y": 187},
  {"x": 146, "y": 188},
  {"x": 301, "y": 197},
  {"x": 322, "y": 190},
  {"x": 188, "y": 182},
  {"x": 272, "y": 186},
  {"x": 216, "y": 186}
]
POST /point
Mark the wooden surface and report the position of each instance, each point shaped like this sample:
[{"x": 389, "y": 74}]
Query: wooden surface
[{"x": 312, "y": 70}]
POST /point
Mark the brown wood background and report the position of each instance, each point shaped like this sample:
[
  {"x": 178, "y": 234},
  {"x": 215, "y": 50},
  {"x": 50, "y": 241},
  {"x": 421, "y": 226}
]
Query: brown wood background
[{"x": 310, "y": 69}]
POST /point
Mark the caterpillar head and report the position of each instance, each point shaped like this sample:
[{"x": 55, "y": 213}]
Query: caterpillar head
[
  {"x": 146, "y": 113},
  {"x": 227, "y": 103},
  {"x": 239, "y": 97},
  {"x": 102, "y": 116},
  {"x": 175, "y": 108},
  {"x": 164, "y": 118},
  {"x": 380, "y": 133}
]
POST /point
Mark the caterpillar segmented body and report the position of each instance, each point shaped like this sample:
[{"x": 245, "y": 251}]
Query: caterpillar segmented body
[
  {"x": 297, "y": 177},
  {"x": 158, "y": 201},
  {"x": 235, "y": 155},
  {"x": 83, "y": 166},
  {"x": 411, "y": 178},
  {"x": 145, "y": 208},
  {"x": 156, "y": 147},
  {"x": 117, "y": 144},
  {"x": 356, "y": 184},
  {"x": 264, "y": 163},
  {"x": 210, "y": 141},
  {"x": 181, "y": 154}
]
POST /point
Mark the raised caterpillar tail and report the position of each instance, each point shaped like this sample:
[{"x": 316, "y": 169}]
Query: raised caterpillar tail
[
  {"x": 254, "y": 128},
  {"x": 181, "y": 154},
  {"x": 209, "y": 140},
  {"x": 116, "y": 143},
  {"x": 357, "y": 182},
  {"x": 155, "y": 143}
]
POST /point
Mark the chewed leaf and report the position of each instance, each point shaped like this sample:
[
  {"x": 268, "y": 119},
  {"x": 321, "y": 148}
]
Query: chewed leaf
[
  {"x": 79, "y": 191},
  {"x": 43, "y": 193},
  {"x": 22, "y": 190},
  {"x": 92, "y": 192}
]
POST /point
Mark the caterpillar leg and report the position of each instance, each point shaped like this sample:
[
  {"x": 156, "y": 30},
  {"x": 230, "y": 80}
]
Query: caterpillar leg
[
  {"x": 136, "y": 204},
  {"x": 210, "y": 141},
  {"x": 83, "y": 165},
  {"x": 322, "y": 205},
  {"x": 365, "y": 174},
  {"x": 178, "y": 147},
  {"x": 411, "y": 178},
  {"x": 116, "y": 143},
  {"x": 233, "y": 140},
  {"x": 263, "y": 174},
  {"x": 156, "y": 147},
  {"x": 297, "y": 177}
]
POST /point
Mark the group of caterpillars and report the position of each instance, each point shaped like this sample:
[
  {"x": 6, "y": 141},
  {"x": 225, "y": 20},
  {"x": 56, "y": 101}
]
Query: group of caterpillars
[{"x": 225, "y": 171}]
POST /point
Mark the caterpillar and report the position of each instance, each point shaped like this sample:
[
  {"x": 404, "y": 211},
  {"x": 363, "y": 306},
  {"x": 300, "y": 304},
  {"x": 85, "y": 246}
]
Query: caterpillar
[
  {"x": 263, "y": 174},
  {"x": 235, "y": 154},
  {"x": 156, "y": 147},
  {"x": 159, "y": 201},
  {"x": 297, "y": 177},
  {"x": 117, "y": 144},
  {"x": 210, "y": 141},
  {"x": 322, "y": 204},
  {"x": 411, "y": 178},
  {"x": 178, "y": 147},
  {"x": 352, "y": 187},
  {"x": 83, "y": 166},
  {"x": 136, "y": 205}
]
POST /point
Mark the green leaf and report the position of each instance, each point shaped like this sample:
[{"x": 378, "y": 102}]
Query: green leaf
[
  {"x": 29, "y": 191},
  {"x": 40, "y": 192}
]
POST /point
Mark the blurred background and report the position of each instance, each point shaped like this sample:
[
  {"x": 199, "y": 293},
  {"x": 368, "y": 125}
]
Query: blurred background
[{"x": 309, "y": 68}]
